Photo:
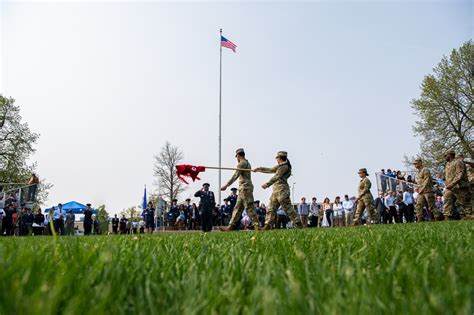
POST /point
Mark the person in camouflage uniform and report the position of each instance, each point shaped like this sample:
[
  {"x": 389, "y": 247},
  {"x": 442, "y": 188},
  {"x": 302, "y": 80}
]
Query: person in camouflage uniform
[
  {"x": 457, "y": 187},
  {"x": 470, "y": 175},
  {"x": 426, "y": 196},
  {"x": 245, "y": 195},
  {"x": 281, "y": 190},
  {"x": 365, "y": 199}
]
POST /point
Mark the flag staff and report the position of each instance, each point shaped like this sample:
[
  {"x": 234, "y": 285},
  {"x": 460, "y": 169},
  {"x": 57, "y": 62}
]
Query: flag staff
[{"x": 220, "y": 116}]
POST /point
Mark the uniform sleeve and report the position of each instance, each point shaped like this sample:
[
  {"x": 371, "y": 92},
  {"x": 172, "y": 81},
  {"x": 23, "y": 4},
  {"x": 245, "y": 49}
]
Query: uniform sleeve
[
  {"x": 213, "y": 201},
  {"x": 279, "y": 172},
  {"x": 459, "y": 169},
  {"x": 197, "y": 194},
  {"x": 267, "y": 170},
  {"x": 365, "y": 187},
  {"x": 425, "y": 181},
  {"x": 236, "y": 174}
]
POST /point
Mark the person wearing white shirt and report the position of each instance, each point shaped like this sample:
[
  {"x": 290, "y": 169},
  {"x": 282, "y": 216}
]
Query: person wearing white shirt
[
  {"x": 58, "y": 216},
  {"x": 246, "y": 221},
  {"x": 348, "y": 206},
  {"x": 338, "y": 212},
  {"x": 314, "y": 210},
  {"x": 409, "y": 208},
  {"x": 390, "y": 204}
]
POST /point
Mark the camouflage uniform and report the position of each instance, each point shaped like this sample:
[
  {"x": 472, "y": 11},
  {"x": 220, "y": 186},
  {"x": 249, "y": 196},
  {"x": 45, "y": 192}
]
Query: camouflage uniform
[
  {"x": 426, "y": 194},
  {"x": 456, "y": 173},
  {"x": 280, "y": 195},
  {"x": 245, "y": 195},
  {"x": 365, "y": 201},
  {"x": 470, "y": 176}
]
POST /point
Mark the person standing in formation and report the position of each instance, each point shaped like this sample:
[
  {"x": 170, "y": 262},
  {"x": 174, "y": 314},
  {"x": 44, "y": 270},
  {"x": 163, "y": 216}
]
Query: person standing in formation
[
  {"x": 88, "y": 220},
  {"x": 365, "y": 200},
  {"x": 426, "y": 196},
  {"x": 115, "y": 224},
  {"x": 206, "y": 206},
  {"x": 457, "y": 187},
  {"x": 281, "y": 190},
  {"x": 245, "y": 197}
]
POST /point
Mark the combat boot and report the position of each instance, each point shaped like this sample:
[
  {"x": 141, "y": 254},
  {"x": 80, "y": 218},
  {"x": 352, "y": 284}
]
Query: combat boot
[
  {"x": 468, "y": 217},
  {"x": 229, "y": 228}
]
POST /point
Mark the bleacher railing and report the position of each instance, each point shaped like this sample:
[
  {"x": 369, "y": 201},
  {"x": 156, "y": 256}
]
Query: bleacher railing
[
  {"x": 21, "y": 195},
  {"x": 388, "y": 183}
]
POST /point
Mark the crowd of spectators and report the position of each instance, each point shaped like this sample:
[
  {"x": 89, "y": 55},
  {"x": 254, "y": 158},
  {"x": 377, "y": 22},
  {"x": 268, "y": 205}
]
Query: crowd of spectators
[
  {"x": 21, "y": 220},
  {"x": 395, "y": 203}
]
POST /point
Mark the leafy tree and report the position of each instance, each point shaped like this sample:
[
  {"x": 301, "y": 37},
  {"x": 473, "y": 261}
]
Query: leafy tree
[
  {"x": 16, "y": 146},
  {"x": 445, "y": 107},
  {"x": 103, "y": 218},
  {"x": 169, "y": 185},
  {"x": 132, "y": 213}
]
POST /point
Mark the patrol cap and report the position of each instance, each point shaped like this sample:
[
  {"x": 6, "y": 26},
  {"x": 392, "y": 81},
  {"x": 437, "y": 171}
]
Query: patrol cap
[
  {"x": 417, "y": 161},
  {"x": 282, "y": 154},
  {"x": 450, "y": 152},
  {"x": 206, "y": 184},
  {"x": 239, "y": 151},
  {"x": 363, "y": 170}
]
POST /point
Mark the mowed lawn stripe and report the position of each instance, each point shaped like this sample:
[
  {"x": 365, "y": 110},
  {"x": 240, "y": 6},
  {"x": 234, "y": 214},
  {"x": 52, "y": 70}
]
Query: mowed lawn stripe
[{"x": 397, "y": 269}]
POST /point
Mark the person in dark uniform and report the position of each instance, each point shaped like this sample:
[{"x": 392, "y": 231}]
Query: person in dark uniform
[
  {"x": 88, "y": 220},
  {"x": 7, "y": 226},
  {"x": 175, "y": 209},
  {"x": 123, "y": 225},
  {"x": 150, "y": 218},
  {"x": 115, "y": 224},
  {"x": 38, "y": 228},
  {"x": 96, "y": 225},
  {"x": 28, "y": 220},
  {"x": 187, "y": 213},
  {"x": 206, "y": 206},
  {"x": 232, "y": 199},
  {"x": 194, "y": 217}
]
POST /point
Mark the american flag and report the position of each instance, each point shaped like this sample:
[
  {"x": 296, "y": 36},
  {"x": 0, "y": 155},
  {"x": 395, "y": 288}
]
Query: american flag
[{"x": 227, "y": 43}]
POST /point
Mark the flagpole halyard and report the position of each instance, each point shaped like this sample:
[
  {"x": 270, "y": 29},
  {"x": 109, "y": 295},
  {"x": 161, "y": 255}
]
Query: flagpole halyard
[{"x": 220, "y": 116}]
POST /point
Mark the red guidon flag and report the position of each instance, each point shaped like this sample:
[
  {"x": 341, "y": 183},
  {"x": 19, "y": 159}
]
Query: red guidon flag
[{"x": 189, "y": 171}]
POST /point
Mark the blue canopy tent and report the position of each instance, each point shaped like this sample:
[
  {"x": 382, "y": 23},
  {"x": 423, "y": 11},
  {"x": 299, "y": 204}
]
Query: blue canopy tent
[{"x": 76, "y": 207}]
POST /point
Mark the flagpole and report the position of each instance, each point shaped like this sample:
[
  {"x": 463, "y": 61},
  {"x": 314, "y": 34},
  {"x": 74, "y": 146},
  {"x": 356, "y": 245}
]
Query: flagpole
[{"x": 220, "y": 117}]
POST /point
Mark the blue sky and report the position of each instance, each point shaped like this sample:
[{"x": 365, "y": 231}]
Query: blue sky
[{"x": 106, "y": 84}]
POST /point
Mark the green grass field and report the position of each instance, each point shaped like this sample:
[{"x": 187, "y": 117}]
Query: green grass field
[{"x": 397, "y": 269}]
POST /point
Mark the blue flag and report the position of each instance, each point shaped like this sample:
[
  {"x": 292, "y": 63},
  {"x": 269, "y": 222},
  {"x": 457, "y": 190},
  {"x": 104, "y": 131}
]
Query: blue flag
[{"x": 144, "y": 199}]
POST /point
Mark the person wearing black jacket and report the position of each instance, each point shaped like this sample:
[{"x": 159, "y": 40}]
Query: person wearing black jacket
[
  {"x": 7, "y": 226},
  {"x": 384, "y": 215},
  {"x": 39, "y": 223},
  {"x": 27, "y": 220},
  {"x": 88, "y": 220},
  {"x": 206, "y": 206},
  {"x": 115, "y": 224}
]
